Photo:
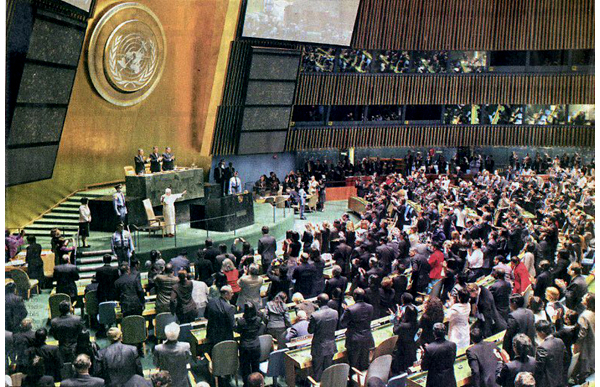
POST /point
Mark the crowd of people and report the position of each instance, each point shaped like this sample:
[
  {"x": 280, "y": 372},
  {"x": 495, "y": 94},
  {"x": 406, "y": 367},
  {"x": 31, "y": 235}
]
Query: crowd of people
[
  {"x": 320, "y": 59},
  {"x": 449, "y": 261}
]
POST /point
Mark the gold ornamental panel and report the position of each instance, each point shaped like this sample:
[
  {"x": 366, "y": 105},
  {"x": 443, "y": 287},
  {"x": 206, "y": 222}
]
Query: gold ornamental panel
[{"x": 127, "y": 53}]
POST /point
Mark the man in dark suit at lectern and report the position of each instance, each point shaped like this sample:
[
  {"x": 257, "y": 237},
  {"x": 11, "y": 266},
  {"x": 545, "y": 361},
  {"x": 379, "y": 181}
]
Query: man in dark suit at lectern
[{"x": 140, "y": 162}]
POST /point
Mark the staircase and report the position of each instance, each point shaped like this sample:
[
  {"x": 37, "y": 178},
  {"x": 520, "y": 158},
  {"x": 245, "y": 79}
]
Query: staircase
[{"x": 65, "y": 216}]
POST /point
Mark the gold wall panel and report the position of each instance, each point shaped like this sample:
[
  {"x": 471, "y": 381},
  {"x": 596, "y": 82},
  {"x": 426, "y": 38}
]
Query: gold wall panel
[{"x": 99, "y": 138}]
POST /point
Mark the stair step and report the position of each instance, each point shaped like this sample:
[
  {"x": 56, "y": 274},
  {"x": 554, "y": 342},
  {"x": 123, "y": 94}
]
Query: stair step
[
  {"x": 88, "y": 261},
  {"x": 66, "y": 209},
  {"x": 70, "y": 203},
  {"x": 87, "y": 194},
  {"x": 85, "y": 253},
  {"x": 94, "y": 267},
  {"x": 62, "y": 215},
  {"x": 66, "y": 221},
  {"x": 87, "y": 274},
  {"x": 42, "y": 226}
]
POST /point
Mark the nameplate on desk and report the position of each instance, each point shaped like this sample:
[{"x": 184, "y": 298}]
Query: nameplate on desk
[{"x": 241, "y": 213}]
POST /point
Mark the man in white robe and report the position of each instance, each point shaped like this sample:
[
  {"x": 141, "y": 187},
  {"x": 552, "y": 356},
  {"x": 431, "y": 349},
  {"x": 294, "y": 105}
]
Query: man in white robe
[{"x": 168, "y": 202}]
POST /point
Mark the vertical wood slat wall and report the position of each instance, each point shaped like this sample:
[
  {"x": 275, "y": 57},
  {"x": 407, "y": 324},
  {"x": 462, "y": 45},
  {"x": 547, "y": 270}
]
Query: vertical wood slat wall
[
  {"x": 474, "y": 25},
  {"x": 358, "y": 89},
  {"x": 229, "y": 114},
  {"x": 440, "y": 135}
]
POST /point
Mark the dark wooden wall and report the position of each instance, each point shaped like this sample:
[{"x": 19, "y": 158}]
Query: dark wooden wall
[
  {"x": 442, "y": 135},
  {"x": 475, "y": 24},
  {"x": 356, "y": 89}
]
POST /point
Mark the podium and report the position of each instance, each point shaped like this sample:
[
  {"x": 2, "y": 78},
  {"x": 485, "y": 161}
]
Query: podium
[{"x": 231, "y": 213}]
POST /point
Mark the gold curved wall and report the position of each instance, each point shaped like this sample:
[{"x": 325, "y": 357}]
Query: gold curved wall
[{"x": 100, "y": 138}]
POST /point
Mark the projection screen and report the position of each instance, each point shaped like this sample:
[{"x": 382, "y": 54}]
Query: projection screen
[{"x": 312, "y": 21}]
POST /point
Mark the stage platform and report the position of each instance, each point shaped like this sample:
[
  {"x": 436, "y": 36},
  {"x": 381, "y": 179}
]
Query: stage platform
[{"x": 279, "y": 221}]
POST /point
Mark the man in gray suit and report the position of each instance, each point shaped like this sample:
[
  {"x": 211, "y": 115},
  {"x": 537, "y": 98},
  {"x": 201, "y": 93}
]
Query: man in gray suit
[
  {"x": 267, "y": 246},
  {"x": 119, "y": 362},
  {"x": 173, "y": 356},
  {"x": 520, "y": 320},
  {"x": 82, "y": 366},
  {"x": 322, "y": 325},
  {"x": 551, "y": 367}
]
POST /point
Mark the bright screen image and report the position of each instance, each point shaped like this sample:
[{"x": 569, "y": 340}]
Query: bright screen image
[{"x": 313, "y": 21}]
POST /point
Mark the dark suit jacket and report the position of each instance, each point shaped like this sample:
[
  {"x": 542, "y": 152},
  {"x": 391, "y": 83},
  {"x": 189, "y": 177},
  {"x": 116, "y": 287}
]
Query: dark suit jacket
[
  {"x": 575, "y": 292},
  {"x": 483, "y": 364},
  {"x": 15, "y": 310},
  {"x": 487, "y": 307},
  {"x": 501, "y": 291},
  {"x": 507, "y": 372},
  {"x": 180, "y": 263},
  {"x": 542, "y": 282},
  {"x": 140, "y": 164},
  {"x": 130, "y": 294},
  {"x": 118, "y": 363},
  {"x": 66, "y": 330},
  {"x": 203, "y": 270},
  {"x": 267, "y": 245},
  {"x": 519, "y": 321},
  {"x": 106, "y": 277},
  {"x": 336, "y": 282},
  {"x": 174, "y": 357},
  {"x": 154, "y": 163},
  {"x": 50, "y": 354},
  {"x": 220, "y": 315},
  {"x": 322, "y": 325},
  {"x": 305, "y": 276},
  {"x": 83, "y": 381},
  {"x": 438, "y": 360},
  {"x": 551, "y": 367},
  {"x": 341, "y": 255},
  {"x": 65, "y": 276},
  {"x": 357, "y": 319}
]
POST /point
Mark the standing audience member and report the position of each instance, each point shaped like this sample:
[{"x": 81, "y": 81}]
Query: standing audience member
[
  {"x": 267, "y": 245},
  {"x": 249, "y": 327},
  {"x": 129, "y": 292},
  {"x": 33, "y": 258},
  {"x": 359, "y": 338},
  {"x": 551, "y": 367},
  {"x": 458, "y": 320},
  {"x": 174, "y": 356},
  {"x": 220, "y": 314},
  {"x": 66, "y": 329},
  {"x": 438, "y": 359},
  {"x": 14, "y": 308},
  {"x": 322, "y": 325},
  {"x": 482, "y": 360},
  {"x": 182, "y": 302},
  {"x": 508, "y": 369},
  {"x": 250, "y": 285},
  {"x": 520, "y": 320},
  {"x": 106, "y": 276},
  {"x": 42, "y": 360},
  {"x": 118, "y": 362},
  {"x": 585, "y": 342},
  {"x": 82, "y": 365},
  {"x": 299, "y": 328},
  {"x": 65, "y": 276},
  {"x": 164, "y": 288},
  {"x": 278, "y": 318},
  {"x": 405, "y": 326}
]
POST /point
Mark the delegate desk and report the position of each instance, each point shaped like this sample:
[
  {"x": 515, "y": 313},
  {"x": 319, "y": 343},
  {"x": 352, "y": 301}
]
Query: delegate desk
[
  {"x": 462, "y": 371},
  {"x": 381, "y": 328}
]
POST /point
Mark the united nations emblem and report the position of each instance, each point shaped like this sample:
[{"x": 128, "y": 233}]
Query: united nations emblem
[{"x": 127, "y": 53}]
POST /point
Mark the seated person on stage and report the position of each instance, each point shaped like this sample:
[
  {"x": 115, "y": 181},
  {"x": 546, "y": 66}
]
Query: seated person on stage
[{"x": 168, "y": 160}]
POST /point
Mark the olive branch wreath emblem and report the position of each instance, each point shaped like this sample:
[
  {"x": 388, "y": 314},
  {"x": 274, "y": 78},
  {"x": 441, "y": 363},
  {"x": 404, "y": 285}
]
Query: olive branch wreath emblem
[{"x": 118, "y": 76}]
